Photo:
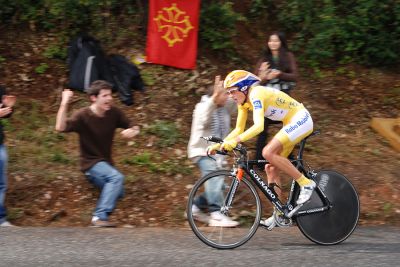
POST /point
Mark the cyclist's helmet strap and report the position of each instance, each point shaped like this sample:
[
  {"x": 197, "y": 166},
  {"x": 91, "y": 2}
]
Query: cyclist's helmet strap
[{"x": 241, "y": 79}]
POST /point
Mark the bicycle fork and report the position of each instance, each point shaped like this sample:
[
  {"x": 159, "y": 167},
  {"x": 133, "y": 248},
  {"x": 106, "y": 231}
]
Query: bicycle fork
[{"x": 238, "y": 173}]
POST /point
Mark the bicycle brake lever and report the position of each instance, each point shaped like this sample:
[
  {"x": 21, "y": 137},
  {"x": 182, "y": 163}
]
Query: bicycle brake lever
[
  {"x": 222, "y": 152},
  {"x": 213, "y": 139},
  {"x": 208, "y": 155}
]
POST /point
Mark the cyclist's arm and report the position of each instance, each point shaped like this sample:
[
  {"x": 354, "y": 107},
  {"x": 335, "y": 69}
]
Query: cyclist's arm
[
  {"x": 258, "y": 126},
  {"x": 240, "y": 123}
]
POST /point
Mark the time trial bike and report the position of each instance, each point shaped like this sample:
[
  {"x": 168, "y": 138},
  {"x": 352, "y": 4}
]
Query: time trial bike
[{"x": 328, "y": 218}]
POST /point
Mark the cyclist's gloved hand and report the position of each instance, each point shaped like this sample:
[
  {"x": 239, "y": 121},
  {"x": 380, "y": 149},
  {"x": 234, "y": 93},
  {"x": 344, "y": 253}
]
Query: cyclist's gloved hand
[
  {"x": 229, "y": 145},
  {"x": 213, "y": 149}
]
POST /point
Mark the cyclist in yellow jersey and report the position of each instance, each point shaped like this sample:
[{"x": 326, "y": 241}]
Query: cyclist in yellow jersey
[{"x": 267, "y": 102}]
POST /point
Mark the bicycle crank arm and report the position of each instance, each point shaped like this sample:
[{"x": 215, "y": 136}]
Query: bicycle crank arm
[{"x": 293, "y": 211}]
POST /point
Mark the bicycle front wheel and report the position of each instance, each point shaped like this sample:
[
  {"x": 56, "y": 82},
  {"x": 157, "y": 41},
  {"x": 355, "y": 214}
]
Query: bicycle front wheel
[{"x": 245, "y": 210}]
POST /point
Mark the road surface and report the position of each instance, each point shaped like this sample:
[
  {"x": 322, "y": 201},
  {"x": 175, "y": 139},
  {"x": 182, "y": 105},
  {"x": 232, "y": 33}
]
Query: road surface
[{"x": 28, "y": 246}]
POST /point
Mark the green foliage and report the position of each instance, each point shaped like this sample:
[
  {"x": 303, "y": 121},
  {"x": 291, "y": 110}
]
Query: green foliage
[
  {"x": 141, "y": 159},
  {"x": 59, "y": 157},
  {"x": 148, "y": 77},
  {"x": 331, "y": 32},
  {"x": 387, "y": 208},
  {"x": 14, "y": 213},
  {"x": 2, "y": 59},
  {"x": 167, "y": 132},
  {"x": 158, "y": 165},
  {"x": 69, "y": 17},
  {"x": 55, "y": 51},
  {"x": 41, "y": 68},
  {"x": 217, "y": 25},
  {"x": 30, "y": 115},
  {"x": 7, "y": 125},
  {"x": 259, "y": 8},
  {"x": 323, "y": 32}
]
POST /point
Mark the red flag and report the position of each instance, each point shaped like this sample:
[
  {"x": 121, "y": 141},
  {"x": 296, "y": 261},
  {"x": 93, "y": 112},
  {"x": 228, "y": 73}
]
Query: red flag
[{"x": 172, "y": 33}]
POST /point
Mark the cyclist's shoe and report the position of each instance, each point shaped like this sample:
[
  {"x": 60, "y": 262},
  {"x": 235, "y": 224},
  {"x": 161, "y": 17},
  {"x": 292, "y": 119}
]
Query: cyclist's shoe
[
  {"x": 221, "y": 220},
  {"x": 306, "y": 192},
  {"x": 198, "y": 215},
  {"x": 269, "y": 223}
]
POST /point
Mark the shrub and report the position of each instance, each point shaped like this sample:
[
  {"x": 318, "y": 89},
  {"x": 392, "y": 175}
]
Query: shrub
[
  {"x": 366, "y": 32},
  {"x": 41, "y": 68},
  {"x": 217, "y": 25},
  {"x": 167, "y": 132}
]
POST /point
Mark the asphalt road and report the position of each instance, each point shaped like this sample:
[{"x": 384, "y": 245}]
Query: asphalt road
[{"x": 368, "y": 246}]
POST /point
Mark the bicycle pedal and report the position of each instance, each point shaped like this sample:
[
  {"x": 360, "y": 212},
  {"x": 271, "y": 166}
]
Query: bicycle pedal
[{"x": 268, "y": 228}]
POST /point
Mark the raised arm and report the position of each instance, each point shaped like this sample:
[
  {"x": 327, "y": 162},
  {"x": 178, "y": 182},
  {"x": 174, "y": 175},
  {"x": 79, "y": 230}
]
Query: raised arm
[{"x": 62, "y": 111}]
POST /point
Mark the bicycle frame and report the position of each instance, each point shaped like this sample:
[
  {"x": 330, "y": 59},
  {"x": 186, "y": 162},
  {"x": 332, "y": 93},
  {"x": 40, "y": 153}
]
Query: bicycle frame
[{"x": 244, "y": 165}]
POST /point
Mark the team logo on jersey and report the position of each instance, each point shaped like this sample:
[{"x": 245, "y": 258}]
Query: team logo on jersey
[
  {"x": 280, "y": 101},
  {"x": 257, "y": 104},
  {"x": 293, "y": 104}
]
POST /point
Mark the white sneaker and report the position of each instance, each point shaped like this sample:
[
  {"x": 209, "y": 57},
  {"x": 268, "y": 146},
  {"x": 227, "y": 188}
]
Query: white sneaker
[
  {"x": 306, "y": 192},
  {"x": 95, "y": 219},
  {"x": 198, "y": 215},
  {"x": 221, "y": 220},
  {"x": 6, "y": 224}
]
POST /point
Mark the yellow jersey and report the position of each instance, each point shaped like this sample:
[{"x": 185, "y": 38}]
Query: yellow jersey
[{"x": 265, "y": 102}]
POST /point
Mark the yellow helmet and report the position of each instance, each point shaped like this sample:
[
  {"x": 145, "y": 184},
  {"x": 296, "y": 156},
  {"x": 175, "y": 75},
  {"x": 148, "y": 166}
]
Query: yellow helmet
[{"x": 240, "y": 78}]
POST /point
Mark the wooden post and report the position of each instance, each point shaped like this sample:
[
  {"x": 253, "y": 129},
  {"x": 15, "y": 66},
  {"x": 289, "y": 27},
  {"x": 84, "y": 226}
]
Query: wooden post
[{"x": 388, "y": 128}]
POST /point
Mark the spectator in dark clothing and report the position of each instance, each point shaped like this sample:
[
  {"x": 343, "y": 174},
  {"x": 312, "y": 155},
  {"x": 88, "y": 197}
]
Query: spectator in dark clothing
[
  {"x": 95, "y": 126},
  {"x": 277, "y": 68},
  {"x": 6, "y": 104}
]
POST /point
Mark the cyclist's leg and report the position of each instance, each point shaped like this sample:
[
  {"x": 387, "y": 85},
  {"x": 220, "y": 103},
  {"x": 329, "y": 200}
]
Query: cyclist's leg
[
  {"x": 261, "y": 142},
  {"x": 273, "y": 152},
  {"x": 273, "y": 178},
  {"x": 283, "y": 143}
]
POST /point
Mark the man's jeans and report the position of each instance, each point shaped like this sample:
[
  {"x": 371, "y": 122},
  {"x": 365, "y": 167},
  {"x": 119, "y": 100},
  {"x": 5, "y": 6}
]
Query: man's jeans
[
  {"x": 3, "y": 181},
  {"x": 213, "y": 197},
  {"x": 111, "y": 182}
]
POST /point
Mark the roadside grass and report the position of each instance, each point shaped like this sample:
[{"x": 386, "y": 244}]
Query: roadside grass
[
  {"x": 166, "y": 131},
  {"x": 156, "y": 164},
  {"x": 14, "y": 213},
  {"x": 33, "y": 144}
]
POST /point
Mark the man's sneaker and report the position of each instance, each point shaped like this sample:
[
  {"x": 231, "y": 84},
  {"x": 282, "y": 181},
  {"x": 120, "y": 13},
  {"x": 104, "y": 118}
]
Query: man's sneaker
[
  {"x": 96, "y": 222},
  {"x": 198, "y": 215},
  {"x": 269, "y": 223},
  {"x": 6, "y": 224},
  {"x": 306, "y": 192},
  {"x": 221, "y": 220}
]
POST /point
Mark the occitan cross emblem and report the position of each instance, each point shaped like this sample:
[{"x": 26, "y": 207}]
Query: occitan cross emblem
[{"x": 173, "y": 22}]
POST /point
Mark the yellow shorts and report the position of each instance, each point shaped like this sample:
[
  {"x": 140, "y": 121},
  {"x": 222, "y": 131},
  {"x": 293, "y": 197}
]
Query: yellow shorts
[{"x": 295, "y": 130}]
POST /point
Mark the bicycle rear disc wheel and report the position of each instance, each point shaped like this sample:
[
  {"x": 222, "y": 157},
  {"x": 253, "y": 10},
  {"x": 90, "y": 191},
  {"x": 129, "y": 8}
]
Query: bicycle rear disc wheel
[
  {"x": 337, "y": 223},
  {"x": 245, "y": 209}
]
